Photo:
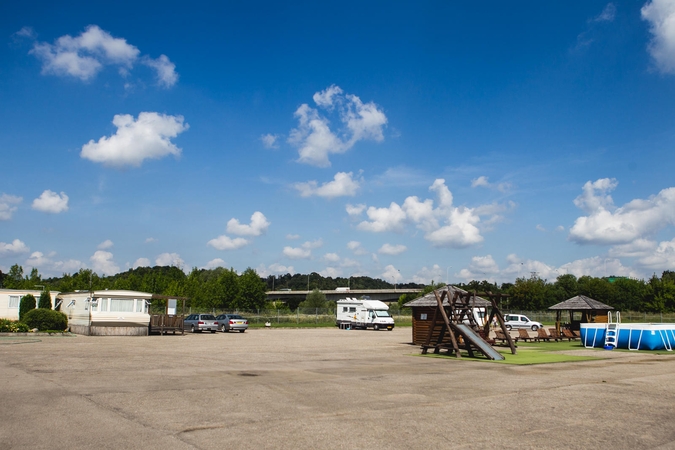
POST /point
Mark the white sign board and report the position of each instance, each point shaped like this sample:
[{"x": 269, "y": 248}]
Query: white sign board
[{"x": 171, "y": 307}]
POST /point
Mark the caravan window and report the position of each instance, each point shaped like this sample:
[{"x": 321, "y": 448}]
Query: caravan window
[
  {"x": 102, "y": 304},
  {"x": 140, "y": 305},
  {"x": 352, "y": 309},
  {"x": 345, "y": 309},
  {"x": 122, "y": 305},
  {"x": 13, "y": 301}
]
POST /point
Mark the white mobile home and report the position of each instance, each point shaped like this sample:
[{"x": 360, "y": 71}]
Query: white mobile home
[
  {"x": 363, "y": 314},
  {"x": 10, "y": 299},
  {"x": 106, "y": 313}
]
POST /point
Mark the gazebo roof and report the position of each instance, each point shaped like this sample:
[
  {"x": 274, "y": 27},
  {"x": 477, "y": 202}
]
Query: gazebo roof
[
  {"x": 581, "y": 303},
  {"x": 430, "y": 298}
]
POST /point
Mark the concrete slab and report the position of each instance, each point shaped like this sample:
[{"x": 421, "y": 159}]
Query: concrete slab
[{"x": 319, "y": 388}]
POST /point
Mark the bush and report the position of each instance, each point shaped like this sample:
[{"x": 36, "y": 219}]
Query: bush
[
  {"x": 46, "y": 319},
  {"x": 10, "y": 326},
  {"x": 27, "y": 304},
  {"x": 45, "y": 301}
]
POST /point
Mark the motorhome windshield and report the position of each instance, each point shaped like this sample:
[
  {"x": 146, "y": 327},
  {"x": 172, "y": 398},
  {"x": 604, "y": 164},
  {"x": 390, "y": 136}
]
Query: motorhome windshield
[{"x": 381, "y": 313}]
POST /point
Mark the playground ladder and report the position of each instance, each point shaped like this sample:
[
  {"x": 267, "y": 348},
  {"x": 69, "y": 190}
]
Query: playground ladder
[{"x": 611, "y": 334}]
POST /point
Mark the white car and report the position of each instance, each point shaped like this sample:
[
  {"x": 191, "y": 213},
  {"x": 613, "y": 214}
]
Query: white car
[{"x": 520, "y": 321}]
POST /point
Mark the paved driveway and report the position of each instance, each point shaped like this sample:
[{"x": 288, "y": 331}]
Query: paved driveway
[{"x": 319, "y": 388}]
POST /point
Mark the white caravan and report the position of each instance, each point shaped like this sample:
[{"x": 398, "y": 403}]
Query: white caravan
[{"x": 356, "y": 313}]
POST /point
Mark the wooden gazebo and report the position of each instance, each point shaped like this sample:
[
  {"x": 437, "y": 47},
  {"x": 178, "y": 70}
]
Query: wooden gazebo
[{"x": 581, "y": 309}]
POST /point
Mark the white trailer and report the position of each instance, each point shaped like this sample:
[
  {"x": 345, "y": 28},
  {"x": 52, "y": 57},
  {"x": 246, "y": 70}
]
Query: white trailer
[{"x": 355, "y": 313}]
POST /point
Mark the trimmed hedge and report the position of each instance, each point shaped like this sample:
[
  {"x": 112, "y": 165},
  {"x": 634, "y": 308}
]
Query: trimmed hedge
[
  {"x": 27, "y": 304},
  {"x": 45, "y": 301},
  {"x": 46, "y": 319}
]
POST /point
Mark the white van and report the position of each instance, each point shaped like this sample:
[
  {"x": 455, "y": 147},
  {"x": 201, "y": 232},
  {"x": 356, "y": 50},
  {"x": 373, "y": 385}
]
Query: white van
[{"x": 355, "y": 313}]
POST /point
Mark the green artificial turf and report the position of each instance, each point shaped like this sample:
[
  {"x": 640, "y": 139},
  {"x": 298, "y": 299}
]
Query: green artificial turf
[{"x": 530, "y": 353}]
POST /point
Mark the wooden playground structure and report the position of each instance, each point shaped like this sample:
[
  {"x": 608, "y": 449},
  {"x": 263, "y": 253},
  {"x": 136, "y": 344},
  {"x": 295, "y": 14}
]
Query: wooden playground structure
[{"x": 455, "y": 319}]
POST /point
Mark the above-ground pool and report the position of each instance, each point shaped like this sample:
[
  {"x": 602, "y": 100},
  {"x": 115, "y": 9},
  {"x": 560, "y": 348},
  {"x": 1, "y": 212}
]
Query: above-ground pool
[{"x": 633, "y": 336}]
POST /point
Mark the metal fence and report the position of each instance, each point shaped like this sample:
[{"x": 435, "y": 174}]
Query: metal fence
[
  {"x": 548, "y": 317},
  {"x": 301, "y": 316}
]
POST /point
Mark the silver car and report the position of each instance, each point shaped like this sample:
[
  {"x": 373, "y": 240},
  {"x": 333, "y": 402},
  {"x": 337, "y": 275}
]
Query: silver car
[
  {"x": 200, "y": 322},
  {"x": 232, "y": 322},
  {"x": 520, "y": 321}
]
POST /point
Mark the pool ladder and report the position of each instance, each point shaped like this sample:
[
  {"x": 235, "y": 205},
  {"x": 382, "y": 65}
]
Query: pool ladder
[{"x": 611, "y": 334}]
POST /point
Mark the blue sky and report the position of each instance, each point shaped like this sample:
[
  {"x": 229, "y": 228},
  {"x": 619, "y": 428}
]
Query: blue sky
[{"x": 442, "y": 141}]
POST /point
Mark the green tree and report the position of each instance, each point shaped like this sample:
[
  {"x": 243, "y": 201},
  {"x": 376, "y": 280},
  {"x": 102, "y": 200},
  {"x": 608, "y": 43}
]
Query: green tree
[
  {"x": 45, "y": 301},
  {"x": 531, "y": 294},
  {"x": 26, "y": 304},
  {"x": 315, "y": 299},
  {"x": 252, "y": 294},
  {"x": 14, "y": 279}
]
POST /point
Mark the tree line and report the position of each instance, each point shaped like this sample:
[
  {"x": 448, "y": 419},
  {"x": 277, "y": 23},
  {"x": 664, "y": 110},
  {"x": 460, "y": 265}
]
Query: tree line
[
  {"x": 622, "y": 293},
  {"x": 219, "y": 288},
  {"x": 223, "y": 289}
]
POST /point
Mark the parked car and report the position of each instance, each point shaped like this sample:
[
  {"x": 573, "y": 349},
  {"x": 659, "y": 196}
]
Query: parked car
[
  {"x": 200, "y": 322},
  {"x": 520, "y": 321},
  {"x": 232, "y": 322}
]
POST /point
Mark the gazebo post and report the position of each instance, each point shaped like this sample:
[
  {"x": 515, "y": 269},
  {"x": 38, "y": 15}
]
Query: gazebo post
[{"x": 557, "y": 320}]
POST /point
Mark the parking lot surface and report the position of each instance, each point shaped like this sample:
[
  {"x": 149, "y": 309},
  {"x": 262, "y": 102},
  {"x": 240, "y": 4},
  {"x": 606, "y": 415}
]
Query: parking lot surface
[{"x": 319, "y": 388}]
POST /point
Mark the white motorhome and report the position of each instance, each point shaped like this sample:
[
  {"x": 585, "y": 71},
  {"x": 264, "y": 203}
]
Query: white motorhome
[{"x": 363, "y": 314}]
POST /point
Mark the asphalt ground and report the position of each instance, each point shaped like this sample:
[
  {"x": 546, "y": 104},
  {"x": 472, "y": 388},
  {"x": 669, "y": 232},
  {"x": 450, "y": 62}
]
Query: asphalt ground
[{"x": 320, "y": 388}]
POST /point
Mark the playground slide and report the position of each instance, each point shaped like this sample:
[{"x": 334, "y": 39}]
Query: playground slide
[{"x": 478, "y": 341}]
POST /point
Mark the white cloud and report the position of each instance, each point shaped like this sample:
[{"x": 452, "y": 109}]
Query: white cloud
[
  {"x": 46, "y": 264},
  {"x": 384, "y": 219},
  {"x": 331, "y": 272},
  {"x": 355, "y": 210},
  {"x": 297, "y": 252},
  {"x": 148, "y": 137},
  {"x": 85, "y": 55},
  {"x": 166, "y": 70},
  {"x": 141, "y": 262},
  {"x": 331, "y": 257},
  {"x": 661, "y": 258},
  {"x": 150, "y": 240},
  {"x": 391, "y": 274},
  {"x": 13, "y": 248},
  {"x": 214, "y": 263},
  {"x": 661, "y": 17},
  {"x": 428, "y": 275},
  {"x": 606, "y": 224},
  {"x": 637, "y": 248},
  {"x": 274, "y": 269},
  {"x": 26, "y": 32},
  {"x": 315, "y": 139},
  {"x": 7, "y": 205},
  {"x": 227, "y": 243},
  {"x": 302, "y": 252},
  {"x": 608, "y": 14},
  {"x": 102, "y": 262},
  {"x": 51, "y": 202},
  {"x": 269, "y": 140},
  {"x": 480, "y": 181},
  {"x": 292, "y": 237},
  {"x": 343, "y": 185},
  {"x": 258, "y": 225},
  {"x": 444, "y": 226},
  {"x": 356, "y": 248},
  {"x": 105, "y": 244},
  {"x": 325, "y": 97},
  {"x": 170, "y": 259},
  {"x": 388, "y": 249}
]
